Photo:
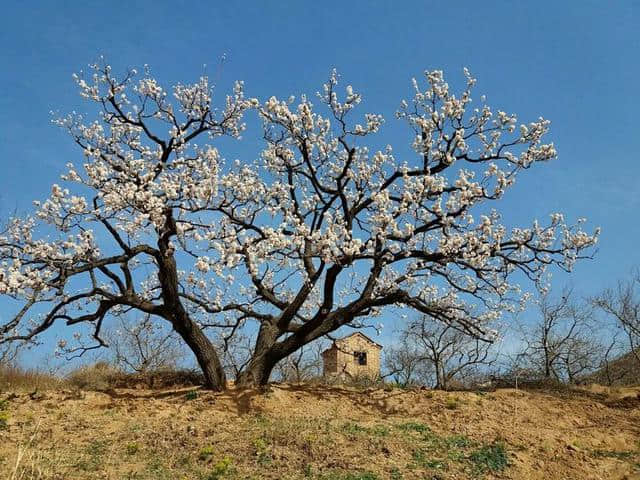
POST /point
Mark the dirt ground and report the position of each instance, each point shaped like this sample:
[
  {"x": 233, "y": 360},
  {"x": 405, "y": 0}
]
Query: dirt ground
[{"x": 331, "y": 433}]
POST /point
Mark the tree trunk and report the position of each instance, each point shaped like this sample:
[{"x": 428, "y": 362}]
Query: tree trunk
[
  {"x": 175, "y": 312},
  {"x": 264, "y": 359},
  {"x": 258, "y": 372},
  {"x": 439, "y": 385},
  {"x": 205, "y": 353}
]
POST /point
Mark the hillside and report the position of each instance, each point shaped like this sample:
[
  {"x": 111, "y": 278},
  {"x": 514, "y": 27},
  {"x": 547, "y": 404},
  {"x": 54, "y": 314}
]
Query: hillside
[
  {"x": 621, "y": 371},
  {"x": 330, "y": 433}
]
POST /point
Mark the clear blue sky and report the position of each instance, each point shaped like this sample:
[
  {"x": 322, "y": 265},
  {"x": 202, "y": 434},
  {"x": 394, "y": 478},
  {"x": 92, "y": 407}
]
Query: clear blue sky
[{"x": 574, "y": 62}]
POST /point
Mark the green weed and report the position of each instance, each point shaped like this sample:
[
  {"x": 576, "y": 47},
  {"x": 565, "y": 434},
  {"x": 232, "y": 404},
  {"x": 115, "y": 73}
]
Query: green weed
[
  {"x": 132, "y": 448},
  {"x": 206, "y": 453},
  {"x": 220, "y": 469},
  {"x": 491, "y": 458},
  {"x": 192, "y": 395},
  {"x": 414, "y": 427}
]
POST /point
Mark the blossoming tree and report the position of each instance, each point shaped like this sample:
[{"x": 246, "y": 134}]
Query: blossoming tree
[{"x": 319, "y": 233}]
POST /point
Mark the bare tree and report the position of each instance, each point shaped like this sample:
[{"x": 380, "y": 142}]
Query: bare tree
[
  {"x": 611, "y": 370},
  {"x": 404, "y": 363},
  {"x": 303, "y": 365},
  {"x": 561, "y": 343},
  {"x": 622, "y": 304},
  {"x": 9, "y": 354},
  {"x": 440, "y": 352}
]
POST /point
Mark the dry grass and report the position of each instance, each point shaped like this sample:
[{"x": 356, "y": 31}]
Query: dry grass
[
  {"x": 96, "y": 377},
  {"x": 102, "y": 376},
  {"x": 13, "y": 378},
  {"x": 320, "y": 432}
]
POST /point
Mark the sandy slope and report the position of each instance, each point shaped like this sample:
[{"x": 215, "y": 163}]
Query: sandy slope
[{"x": 320, "y": 432}]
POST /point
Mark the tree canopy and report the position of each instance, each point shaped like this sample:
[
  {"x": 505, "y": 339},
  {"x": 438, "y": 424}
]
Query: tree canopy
[{"x": 320, "y": 232}]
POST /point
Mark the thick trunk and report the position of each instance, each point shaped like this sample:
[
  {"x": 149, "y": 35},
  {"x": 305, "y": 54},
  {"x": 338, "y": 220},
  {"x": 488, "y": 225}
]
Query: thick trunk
[
  {"x": 257, "y": 373},
  {"x": 175, "y": 312},
  {"x": 205, "y": 353},
  {"x": 264, "y": 359}
]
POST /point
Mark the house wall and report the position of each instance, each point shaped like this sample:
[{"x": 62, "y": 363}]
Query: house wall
[
  {"x": 330, "y": 362},
  {"x": 342, "y": 360}
]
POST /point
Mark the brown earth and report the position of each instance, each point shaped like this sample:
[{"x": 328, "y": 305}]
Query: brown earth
[{"x": 330, "y": 433}]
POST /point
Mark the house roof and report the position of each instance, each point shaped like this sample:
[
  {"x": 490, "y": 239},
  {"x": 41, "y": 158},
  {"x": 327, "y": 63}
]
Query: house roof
[{"x": 340, "y": 340}]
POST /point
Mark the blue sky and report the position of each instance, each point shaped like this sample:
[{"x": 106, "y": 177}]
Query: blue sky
[{"x": 575, "y": 63}]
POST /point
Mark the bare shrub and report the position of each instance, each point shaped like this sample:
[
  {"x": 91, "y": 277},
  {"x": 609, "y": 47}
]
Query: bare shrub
[
  {"x": 98, "y": 376},
  {"x": 141, "y": 346}
]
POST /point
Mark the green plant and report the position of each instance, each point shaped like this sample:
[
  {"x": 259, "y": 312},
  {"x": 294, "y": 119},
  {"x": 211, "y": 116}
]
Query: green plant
[
  {"x": 457, "y": 441},
  {"x": 206, "y": 453},
  {"x": 420, "y": 457},
  {"x": 490, "y": 458},
  {"x": 350, "y": 476},
  {"x": 395, "y": 474},
  {"x": 380, "y": 430},
  {"x": 96, "y": 448},
  {"x": 4, "y": 420},
  {"x": 132, "y": 448},
  {"x": 220, "y": 469},
  {"x": 263, "y": 455},
  {"x": 451, "y": 403},
  {"x": 414, "y": 427},
  {"x": 353, "y": 428},
  {"x": 620, "y": 455},
  {"x": 308, "y": 471},
  {"x": 192, "y": 395}
]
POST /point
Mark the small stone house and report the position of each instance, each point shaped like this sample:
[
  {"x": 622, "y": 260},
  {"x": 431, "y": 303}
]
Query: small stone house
[{"x": 353, "y": 356}]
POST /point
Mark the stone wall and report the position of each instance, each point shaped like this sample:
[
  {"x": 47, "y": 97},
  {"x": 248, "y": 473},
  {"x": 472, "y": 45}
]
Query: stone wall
[{"x": 340, "y": 359}]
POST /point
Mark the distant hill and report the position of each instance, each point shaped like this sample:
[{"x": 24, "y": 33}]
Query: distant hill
[{"x": 622, "y": 371}]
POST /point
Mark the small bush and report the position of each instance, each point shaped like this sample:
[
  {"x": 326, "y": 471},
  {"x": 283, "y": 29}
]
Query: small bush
[
  {"x": 192, "y": 395},
  {"x": 99, "y": 376},
  {"x": 451, "y": 403},
  {"x": 103, "y": 376},
  {"x": 363, "y": 382}
]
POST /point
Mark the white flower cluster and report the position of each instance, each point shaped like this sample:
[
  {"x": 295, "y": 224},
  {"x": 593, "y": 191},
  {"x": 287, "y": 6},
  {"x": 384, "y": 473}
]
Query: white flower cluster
[{"x": 319, "y": 222}]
